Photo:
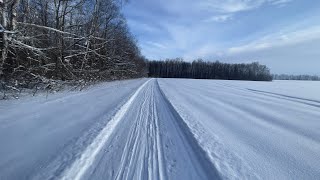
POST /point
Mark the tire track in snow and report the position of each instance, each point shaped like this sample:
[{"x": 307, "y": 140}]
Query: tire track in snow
[{"x": 80, "y": 166}]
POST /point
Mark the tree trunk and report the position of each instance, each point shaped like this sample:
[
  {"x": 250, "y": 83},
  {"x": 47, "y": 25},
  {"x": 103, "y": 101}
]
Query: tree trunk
[{"x": 4, "y": 47}]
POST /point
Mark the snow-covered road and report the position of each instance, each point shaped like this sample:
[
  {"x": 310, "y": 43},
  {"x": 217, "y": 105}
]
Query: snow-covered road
[{"x": 164, "y": 129}]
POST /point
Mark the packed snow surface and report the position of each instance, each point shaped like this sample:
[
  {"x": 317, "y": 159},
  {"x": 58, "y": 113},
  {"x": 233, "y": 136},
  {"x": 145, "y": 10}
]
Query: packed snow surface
[{"x": 165, "y": 129}]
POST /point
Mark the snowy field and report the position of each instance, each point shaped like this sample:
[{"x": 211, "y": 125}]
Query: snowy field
[
  {"x": 165, "y": 129},
  {"x": 253, "y": 130}
]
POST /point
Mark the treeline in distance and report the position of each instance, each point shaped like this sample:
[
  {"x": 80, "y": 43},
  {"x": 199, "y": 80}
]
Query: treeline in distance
[
  {"x": 296, "y": 77},
  {"x": 199, "y": 69}
]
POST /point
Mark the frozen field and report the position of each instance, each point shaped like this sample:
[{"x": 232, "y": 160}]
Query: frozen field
[
  {"x": 165, "y": 129},
  {"x": 253, "y": 130}
]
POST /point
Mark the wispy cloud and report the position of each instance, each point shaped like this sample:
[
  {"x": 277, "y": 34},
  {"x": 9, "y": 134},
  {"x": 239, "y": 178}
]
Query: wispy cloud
[
  {"x": 142, "y": 26},
  {"x": 157, "y": 45},
  {"x": 279, "y": 39},
  {"x": 233, "y": 6},
  {"x": 279, "y": 2},
  {"x": 287, "y": 51},
  {"x": 219, "y": 18},
  {"x": 230, "y": 6}
]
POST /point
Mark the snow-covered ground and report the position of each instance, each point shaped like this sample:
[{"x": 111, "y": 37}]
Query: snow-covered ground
[
  {"x": 42, "y": 134},
  {"x": 253, "y": 130},
  {"x": 165, "y": 129}
]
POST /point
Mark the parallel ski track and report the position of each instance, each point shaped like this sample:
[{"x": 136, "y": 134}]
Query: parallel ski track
[
  {"x": 80, "y": 166},
  {"x": 142, "y": 156}
]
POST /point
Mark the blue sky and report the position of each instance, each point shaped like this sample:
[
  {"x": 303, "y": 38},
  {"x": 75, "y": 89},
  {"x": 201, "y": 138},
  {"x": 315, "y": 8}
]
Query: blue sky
[{"x": 283, "y": 34}]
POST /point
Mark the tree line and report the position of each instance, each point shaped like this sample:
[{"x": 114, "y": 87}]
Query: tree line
[
  {"x": 199, "y": 69},
  {"x": 296, "y": 77},
  {"x": 66, "y": 40}
]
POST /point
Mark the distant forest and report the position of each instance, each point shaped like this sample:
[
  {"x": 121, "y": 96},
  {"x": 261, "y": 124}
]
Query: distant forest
[
  {"x": 199, "y": 69},
  {"x": 296, "y": 77}
]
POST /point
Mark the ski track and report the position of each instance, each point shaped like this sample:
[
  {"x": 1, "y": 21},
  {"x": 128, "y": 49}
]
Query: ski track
[
  {"x": 80, "y": 166},
  {"x": 149, "y": 144}
]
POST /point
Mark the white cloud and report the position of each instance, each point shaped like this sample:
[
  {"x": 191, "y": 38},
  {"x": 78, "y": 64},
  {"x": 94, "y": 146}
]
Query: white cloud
[
  {"x": 284, "y": 40},
  {"x": 295, "y": 58},
  {"x": 279, "y": 2},
  {"x": 230, "y": 6},
  {"x": 233, "y": 6},
  {"x": 142, "y": 26},
  {"x": 219, "y": 18},
  {"x": 201, "y": 52},
  {"x": 279, "y": 39},
  {"x": 292, "y": 50},
  {"x": 155, "y": 44}
]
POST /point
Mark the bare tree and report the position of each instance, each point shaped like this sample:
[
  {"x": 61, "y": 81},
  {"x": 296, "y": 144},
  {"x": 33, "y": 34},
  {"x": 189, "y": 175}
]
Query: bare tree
[{"x": 66, "y": 40}]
